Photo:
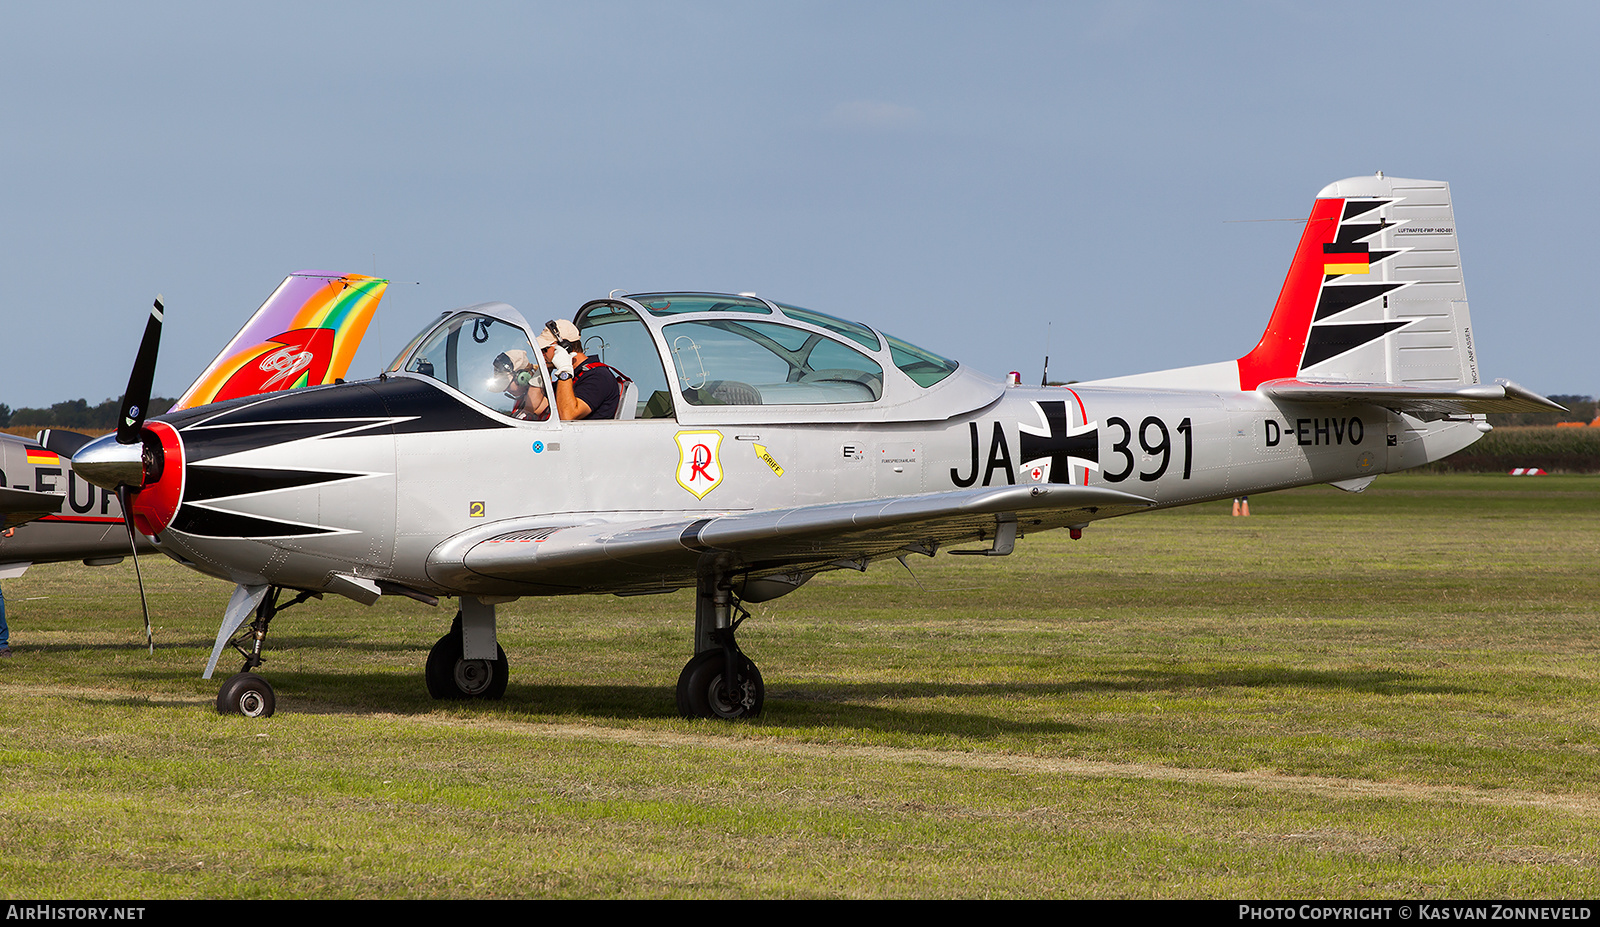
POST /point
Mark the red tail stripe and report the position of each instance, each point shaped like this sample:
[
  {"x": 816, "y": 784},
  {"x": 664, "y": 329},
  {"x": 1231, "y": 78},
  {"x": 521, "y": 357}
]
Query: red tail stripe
[{"x": 1278, "y": 353}]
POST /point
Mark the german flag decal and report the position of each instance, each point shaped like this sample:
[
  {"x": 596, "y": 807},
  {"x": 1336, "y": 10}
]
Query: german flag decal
[{"x": 1346, "y": 258}]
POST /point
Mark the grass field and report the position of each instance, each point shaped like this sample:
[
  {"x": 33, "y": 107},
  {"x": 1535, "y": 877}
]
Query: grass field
[{"x": 1395, "y": 694}]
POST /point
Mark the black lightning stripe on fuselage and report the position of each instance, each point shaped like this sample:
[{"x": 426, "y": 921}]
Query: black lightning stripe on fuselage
[
  {"x": 203, "y": 483},
  {"x": 209, "y": 523}
]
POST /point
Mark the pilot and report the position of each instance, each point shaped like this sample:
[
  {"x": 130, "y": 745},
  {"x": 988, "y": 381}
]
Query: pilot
[
  {"x": 584, "y": 387},
  {"x": 520, "y": 381}
]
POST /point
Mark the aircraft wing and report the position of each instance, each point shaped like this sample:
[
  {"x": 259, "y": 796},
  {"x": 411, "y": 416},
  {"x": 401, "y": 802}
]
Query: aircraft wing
[
  {"x": 532, "y": 555},
  {"x": 1499, "y": 396},
  {"x": 20, "y": 506}
]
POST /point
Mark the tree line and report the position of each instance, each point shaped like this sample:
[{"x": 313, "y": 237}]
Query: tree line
[{"x": 74, "y": 414}]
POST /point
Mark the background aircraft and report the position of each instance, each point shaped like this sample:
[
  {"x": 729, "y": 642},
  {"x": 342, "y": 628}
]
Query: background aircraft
[
  {"x": 305, "y": 334},
  {"x": 766, "y": 443},
  {"x": 57, "y": 514}
]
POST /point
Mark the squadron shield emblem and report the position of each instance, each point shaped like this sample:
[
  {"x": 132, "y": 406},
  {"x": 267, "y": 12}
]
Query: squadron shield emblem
[{"x": 699, "y": 461}]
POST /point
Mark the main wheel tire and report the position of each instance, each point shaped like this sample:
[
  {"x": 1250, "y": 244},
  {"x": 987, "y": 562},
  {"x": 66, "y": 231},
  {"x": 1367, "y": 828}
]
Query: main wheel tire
[
  {"x": 450, "y": 676},
  {"x": 685, "y": 704},
  {"x": 700, "y": 688},
  {"x": 247, "y": 694}
]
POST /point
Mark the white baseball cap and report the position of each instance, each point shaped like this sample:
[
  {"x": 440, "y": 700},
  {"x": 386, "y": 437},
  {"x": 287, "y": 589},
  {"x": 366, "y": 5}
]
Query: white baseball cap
[{"x": 567, "y": 330}]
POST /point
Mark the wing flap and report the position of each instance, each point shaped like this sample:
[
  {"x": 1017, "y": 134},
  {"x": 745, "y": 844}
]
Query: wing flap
[
  {"x": 663, "y": 553},
  {"x": 1499, "y": 396}
]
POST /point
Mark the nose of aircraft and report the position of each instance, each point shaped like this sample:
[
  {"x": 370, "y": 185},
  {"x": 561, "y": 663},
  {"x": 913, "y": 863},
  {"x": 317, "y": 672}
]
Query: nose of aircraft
[
  {"x": 108, "y": 464},
  {"x": 152, "y": 468}
]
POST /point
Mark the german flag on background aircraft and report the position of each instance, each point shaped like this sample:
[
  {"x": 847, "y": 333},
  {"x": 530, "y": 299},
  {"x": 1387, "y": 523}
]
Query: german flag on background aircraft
[
  {"x": 1346, "y": 258},
  {"x": 38, "y": 455}
]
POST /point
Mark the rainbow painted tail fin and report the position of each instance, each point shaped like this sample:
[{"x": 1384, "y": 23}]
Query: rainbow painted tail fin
[{"x": 305, "y": 334}]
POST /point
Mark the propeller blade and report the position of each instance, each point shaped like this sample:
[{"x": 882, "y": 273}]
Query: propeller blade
[
  {"x": 125, "y": 499},
  {"x": 130, "y": 419}
]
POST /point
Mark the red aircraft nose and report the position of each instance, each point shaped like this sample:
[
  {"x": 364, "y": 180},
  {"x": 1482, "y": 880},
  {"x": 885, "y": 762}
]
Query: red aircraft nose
[{"x": 157, "y": 501}]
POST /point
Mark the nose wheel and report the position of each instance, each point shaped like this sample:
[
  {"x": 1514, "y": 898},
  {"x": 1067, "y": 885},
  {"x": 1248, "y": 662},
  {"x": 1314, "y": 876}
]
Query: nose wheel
[{"x": 246, "y": 694}]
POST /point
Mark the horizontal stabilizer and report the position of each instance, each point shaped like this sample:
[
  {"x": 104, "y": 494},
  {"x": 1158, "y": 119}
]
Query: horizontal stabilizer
[
  {"x": 65, "y": 443},
  {"x": 20, "y": 506},
  {"x": 1499, "y": 396}
]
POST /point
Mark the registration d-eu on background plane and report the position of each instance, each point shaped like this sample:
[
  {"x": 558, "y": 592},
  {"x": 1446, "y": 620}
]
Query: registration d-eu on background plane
[{"x": 759, "y": 443}]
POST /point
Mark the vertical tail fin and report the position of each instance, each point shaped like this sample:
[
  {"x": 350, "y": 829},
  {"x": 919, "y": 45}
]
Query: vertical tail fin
[
  {"x": 305, "y": 334},
  {"x": 1374, "y": 294}
]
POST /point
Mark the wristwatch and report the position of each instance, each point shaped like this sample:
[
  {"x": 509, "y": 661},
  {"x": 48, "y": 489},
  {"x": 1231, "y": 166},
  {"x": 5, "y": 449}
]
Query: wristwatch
[{"x": 563, "y": 375}]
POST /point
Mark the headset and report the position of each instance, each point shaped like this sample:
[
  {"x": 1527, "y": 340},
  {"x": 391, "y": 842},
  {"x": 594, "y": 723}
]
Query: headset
[
  {"x": 502, "y": 366},
  {"x": 555, "y": 333}
]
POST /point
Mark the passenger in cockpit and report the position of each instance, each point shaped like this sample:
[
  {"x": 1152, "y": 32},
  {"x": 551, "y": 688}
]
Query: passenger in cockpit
[{"x": 521, "y": 384}]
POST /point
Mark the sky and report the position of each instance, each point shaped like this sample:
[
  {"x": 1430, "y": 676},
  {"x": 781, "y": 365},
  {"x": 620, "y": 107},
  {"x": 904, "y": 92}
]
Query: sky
[{"x": 1119, "y": 184}]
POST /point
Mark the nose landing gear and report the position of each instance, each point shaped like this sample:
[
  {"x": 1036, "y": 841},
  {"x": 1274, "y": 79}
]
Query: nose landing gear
[{"x": 246, "y": 693}]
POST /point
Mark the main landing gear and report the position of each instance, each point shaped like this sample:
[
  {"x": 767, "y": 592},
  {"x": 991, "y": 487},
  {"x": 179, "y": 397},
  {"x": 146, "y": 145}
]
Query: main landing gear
[
  {"x": 720, "y": 681},
  {"x": 246, "y": 693},
  {"x": 451, "y": 676}
]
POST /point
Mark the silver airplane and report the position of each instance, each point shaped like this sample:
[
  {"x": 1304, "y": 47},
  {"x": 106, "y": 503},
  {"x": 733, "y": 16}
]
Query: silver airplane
[{"x": 760, "y": 443}]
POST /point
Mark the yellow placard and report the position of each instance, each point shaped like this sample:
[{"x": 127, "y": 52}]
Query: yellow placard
[{"x": 761, "y": 452}]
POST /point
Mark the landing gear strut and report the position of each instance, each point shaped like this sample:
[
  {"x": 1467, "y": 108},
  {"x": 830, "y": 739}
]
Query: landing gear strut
[
  {"x": 720, "y": 681},
  {"x": 246, "y": 693}
]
